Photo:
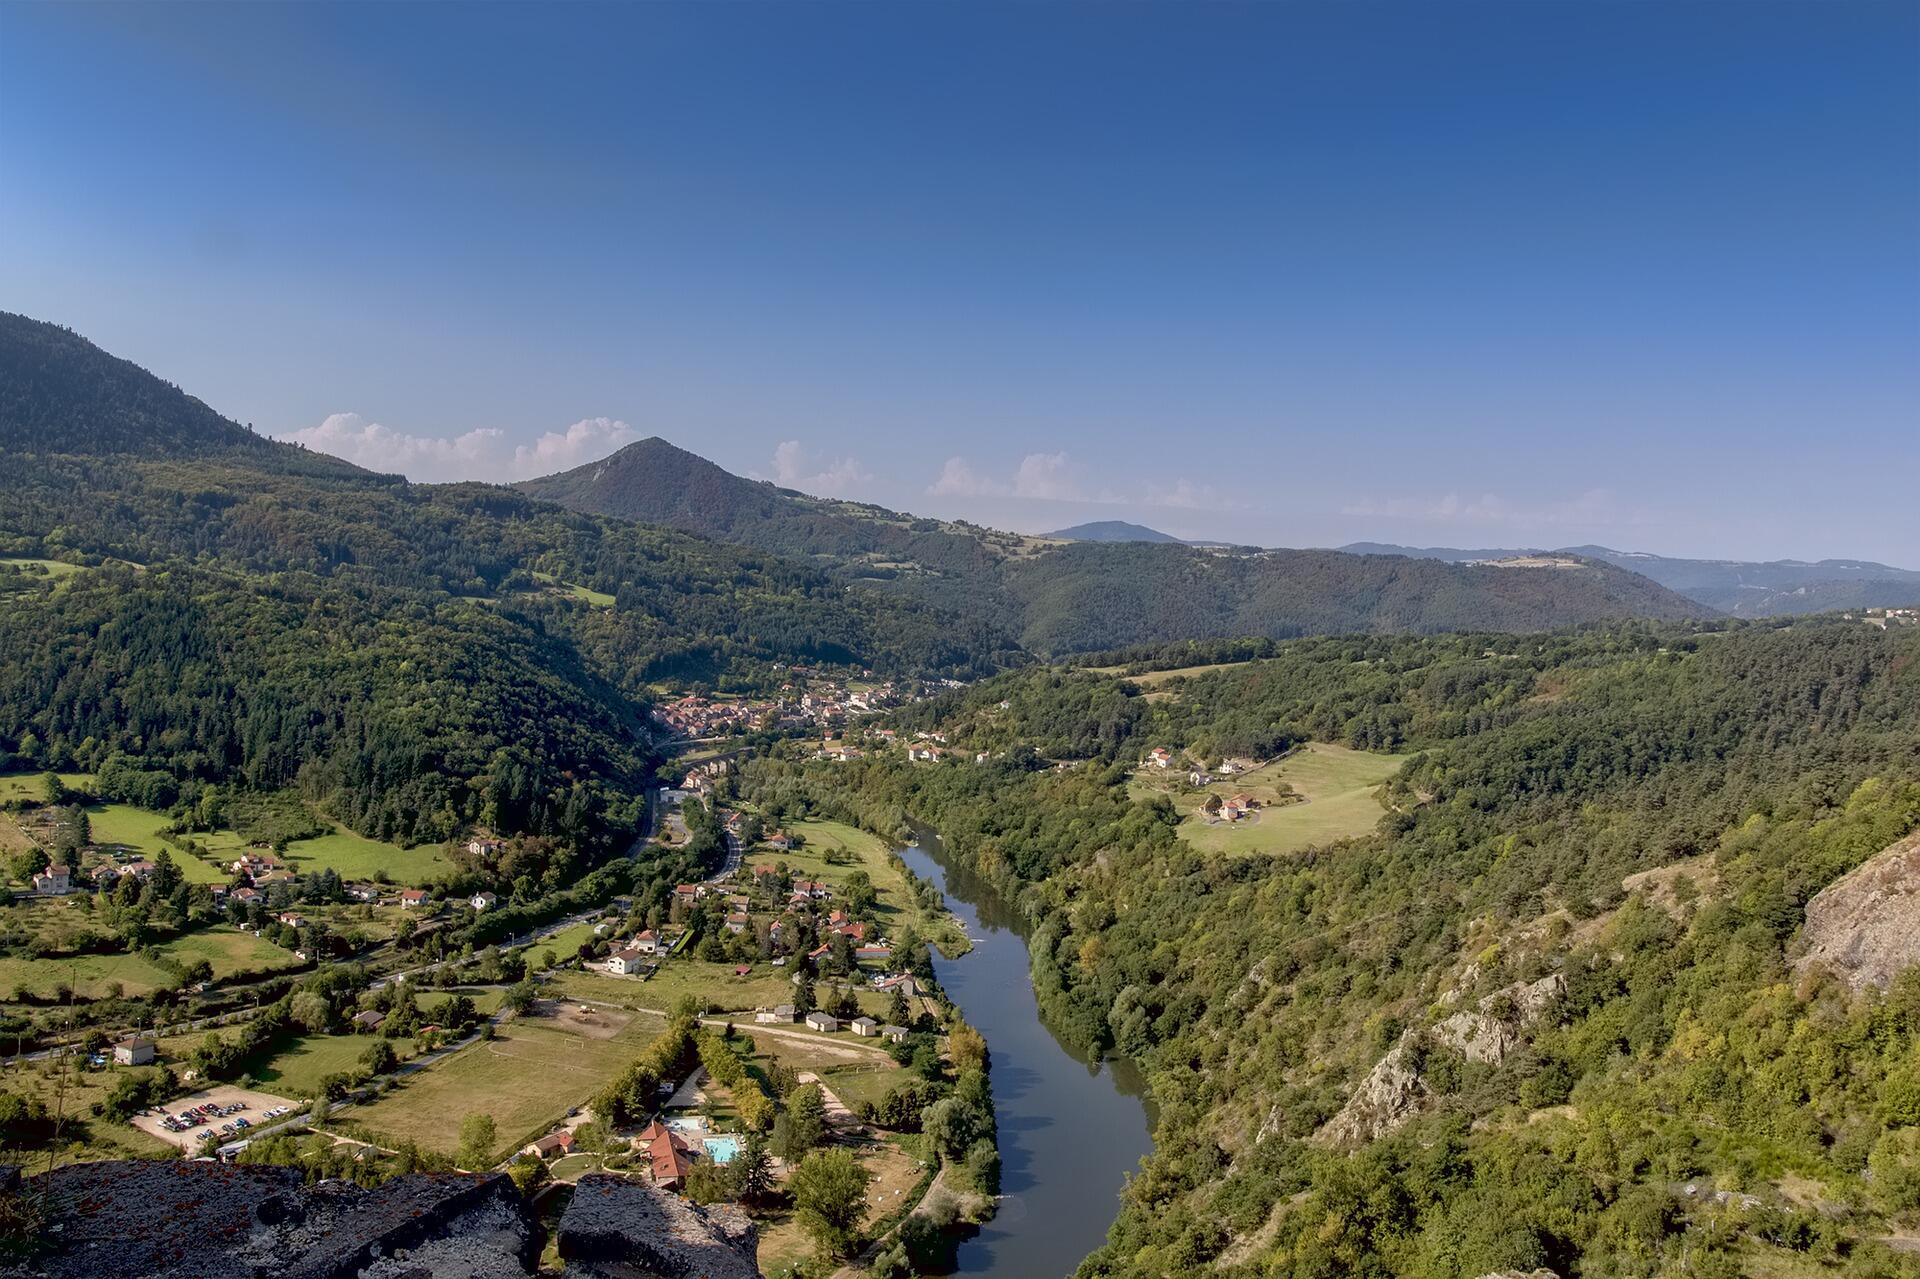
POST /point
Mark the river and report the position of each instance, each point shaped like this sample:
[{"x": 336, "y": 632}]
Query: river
[{"x": 1069, "y": 1129}]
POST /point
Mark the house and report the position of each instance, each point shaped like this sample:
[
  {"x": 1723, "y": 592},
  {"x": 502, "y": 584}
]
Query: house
[
  {"x": 865, "y": 1027},
  {"x": 825, "y": 1023},
  {"x": 905, "y": 983},
  {"x": 877, "y": 951},
  {"x": 781, "y": 840},
  {"x": 291, "y": 918},
  {"x": 1244, "y": 802},
  {"x": 648, "y": 943},
  {"x": 133, "y": 1052},
  {"x": 53, "y": 881},
  {"x": 685, "y": 894},
  {"x": 248, "y": 896},
  {"x": 811, "y": 890},
  {"x": 894, "y": 1034},
  {"x": 773, "y": 1016},
  {"x": 738, "y": 921},
  {"x": 370, "y": 1020},
  {"x": 363, "y": 892},
  {"x": 670, "y": 1157},
  {"x": 484, "y": 847},
  {"x": 624, "y": 963},
  {"x": 1159, "y": 757},
  {"x": 483, "y": 901},
  {"x": 551, "y": 1146},
  {"x": 413, "y": 897}
]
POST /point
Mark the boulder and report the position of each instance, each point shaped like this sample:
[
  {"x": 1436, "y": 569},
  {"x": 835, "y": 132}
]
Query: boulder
[{"x": 1864, "y": 927}]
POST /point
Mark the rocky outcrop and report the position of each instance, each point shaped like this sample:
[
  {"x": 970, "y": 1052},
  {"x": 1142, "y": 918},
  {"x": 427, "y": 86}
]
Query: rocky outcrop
[
  {"x": 1390, "y": 1095},
  {"x": 624, "y": 1229},
  {"x": 1393, "y": 1091},
  {"x": 204, "y": 1220},
  {"x": 1864, "y": 927}
]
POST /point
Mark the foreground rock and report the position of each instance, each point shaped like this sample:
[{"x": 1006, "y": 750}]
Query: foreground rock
[
  {"x": 1864, "y": 927},
  {"x": 205, "y": 1220}
]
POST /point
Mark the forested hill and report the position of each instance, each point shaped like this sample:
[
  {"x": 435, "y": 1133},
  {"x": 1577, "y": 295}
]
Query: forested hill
[
  {"x": 59, "y": 393},
  {"x": 1110, "y": 591},
  {"x": 1553, "y": 1007},
  {"x": 1095, "y": 596},
  {"x": 658, "y": 483},
  {"x": 201, "y": 607}
]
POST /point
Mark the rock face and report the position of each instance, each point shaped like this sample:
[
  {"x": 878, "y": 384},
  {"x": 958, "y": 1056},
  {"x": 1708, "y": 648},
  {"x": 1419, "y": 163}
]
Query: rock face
[
  {"x": 1393, "y": 1091},
  {"x": 1390, "y": 1095},
  {"x": 620, "y": 1229},
  {"x": 1865, "y": 926},
  {"x": 205, "y": 1220}
]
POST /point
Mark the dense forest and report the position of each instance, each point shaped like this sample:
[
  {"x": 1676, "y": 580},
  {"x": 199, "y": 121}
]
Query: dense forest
[
  {"x": 1544, "y": 1015},
  {"x": 193, "y": 600}
]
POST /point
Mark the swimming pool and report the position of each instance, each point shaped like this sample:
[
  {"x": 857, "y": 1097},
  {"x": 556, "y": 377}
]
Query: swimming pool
[{"x": 722, "y": 1149}]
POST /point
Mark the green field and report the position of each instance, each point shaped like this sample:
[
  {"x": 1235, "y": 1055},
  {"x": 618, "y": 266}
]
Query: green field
[
  {"x": 228, "y": 950},
  {"x": 357, "y": 857},
  {"x": 600, "y": 599},
  {"x": 140, "y": 828},
  {"x": 1337, "y": 785},
  {"x": 27, "y": 785},
  {"x": 527, "y": 1078},
  {"x": 298, "y": 1069}
]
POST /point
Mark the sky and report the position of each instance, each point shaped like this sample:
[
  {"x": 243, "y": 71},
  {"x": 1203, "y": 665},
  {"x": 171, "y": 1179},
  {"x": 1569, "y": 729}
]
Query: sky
[{"x": 1466, "y": 274}]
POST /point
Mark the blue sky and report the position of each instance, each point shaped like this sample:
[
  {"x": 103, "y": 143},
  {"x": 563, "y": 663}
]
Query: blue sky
[{"x": 1474, "y": 274}]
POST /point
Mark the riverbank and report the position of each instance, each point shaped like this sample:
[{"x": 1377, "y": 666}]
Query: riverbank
[{"x": 1070, "y": 1128}]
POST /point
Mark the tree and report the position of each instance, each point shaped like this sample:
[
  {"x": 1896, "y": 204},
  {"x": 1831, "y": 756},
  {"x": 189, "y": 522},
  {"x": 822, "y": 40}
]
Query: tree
[
  {"x": 477, "y": 1136},
  {"x": 829, "y": 1196},
  {"x": 379, "y": 1057},
  {"x": 803, "y": 1125},
  {"x": 953, "y": 1125},
  {"x": 753, "y": 1168},
  {"x": 897, "y": 1011}
]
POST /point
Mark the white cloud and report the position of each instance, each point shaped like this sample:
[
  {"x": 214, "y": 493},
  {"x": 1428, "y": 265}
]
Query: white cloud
[
  {"x": 483, "y": 453},
  {"x": 1040, "y": 476},
  {"x": 958, "y": 479},
  {"x": 381, "y": 448},
  {"x": 792, "y": 469},
  {"x": 585, "y": 441},
  {"x": 1048, "y": 476}
]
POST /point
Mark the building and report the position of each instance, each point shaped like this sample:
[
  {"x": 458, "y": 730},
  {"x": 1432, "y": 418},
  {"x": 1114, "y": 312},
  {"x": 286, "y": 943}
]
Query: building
[
  {"x": 738, "y": 922},
  {"x": 551, "y": 1146},
  {"x": 648, "y": 943},
  {"x": 865, "y": 1027},
  {"x": 825, "y": 1023},
  {"x": 894, "y": 1034},
  {"x": 625, "y": 963},
  {"x": 669, "y": 1156},
  {"x": 413, "y": 897},
  {"x": 483, "y": 901},
  {"x": 53, "y": 881},
  {"x": 905, "y": 983},
  {"x": 484, "y": 847},
  {"x": 775, "y": 1015},
  {"x": 133, "y": 1052},
  {"x": 370, "y": 1020}
]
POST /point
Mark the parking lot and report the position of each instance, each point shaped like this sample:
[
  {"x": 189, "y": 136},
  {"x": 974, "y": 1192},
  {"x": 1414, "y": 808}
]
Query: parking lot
[{"x": 256, "y": 1107}]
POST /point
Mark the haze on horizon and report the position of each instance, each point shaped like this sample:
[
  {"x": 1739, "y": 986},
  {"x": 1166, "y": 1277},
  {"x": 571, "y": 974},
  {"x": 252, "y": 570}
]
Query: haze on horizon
[{"x": 1468, "y": 274}]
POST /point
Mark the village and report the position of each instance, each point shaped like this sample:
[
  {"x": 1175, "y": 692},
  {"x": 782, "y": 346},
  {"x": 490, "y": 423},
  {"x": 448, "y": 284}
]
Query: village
[
  {"x": 808, "y": 699},
  {"x": 790, "y": 981}
]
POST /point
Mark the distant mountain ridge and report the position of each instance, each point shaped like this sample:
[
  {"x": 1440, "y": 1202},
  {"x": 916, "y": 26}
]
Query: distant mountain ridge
[
  {"x": 1743, "y": 588},
  {"x": 1113, "y": 583},
  {"x": 1112, "y": 531}
]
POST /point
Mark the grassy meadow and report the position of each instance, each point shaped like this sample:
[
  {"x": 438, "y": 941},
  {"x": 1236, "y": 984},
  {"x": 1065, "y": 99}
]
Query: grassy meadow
[
  {"x": 1335, "y": 787},
  {"x": 228, "y": 950}
]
